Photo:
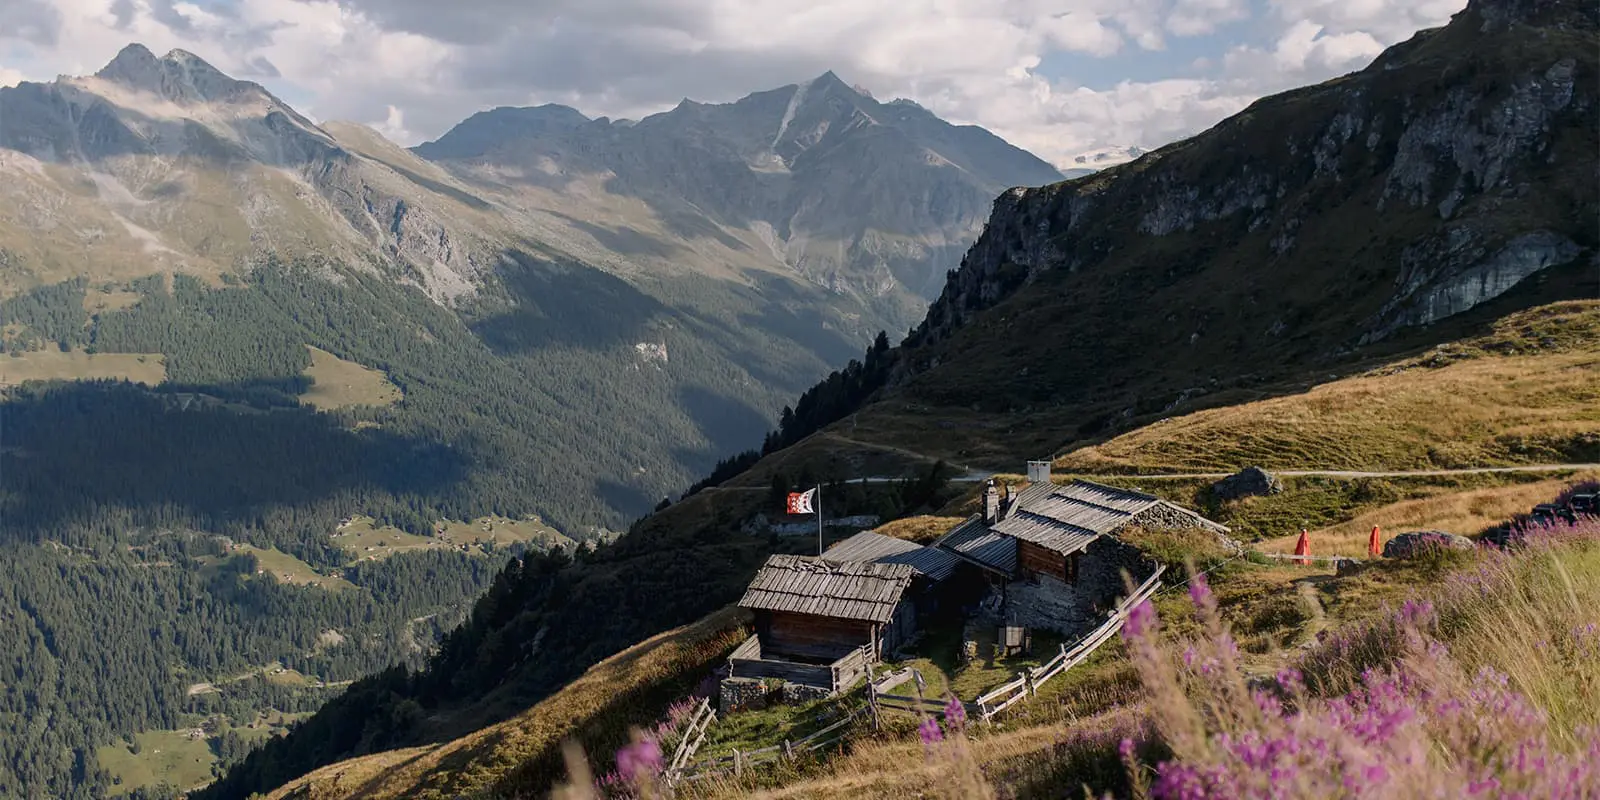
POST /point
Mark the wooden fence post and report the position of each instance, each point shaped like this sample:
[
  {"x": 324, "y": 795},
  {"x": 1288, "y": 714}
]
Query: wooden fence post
[
  {"x": 872, "y": 702},
  {"x": 738, "y": 763},
  {"x": 1027, "y": 682},
  {"x": 788, "y": 750}
]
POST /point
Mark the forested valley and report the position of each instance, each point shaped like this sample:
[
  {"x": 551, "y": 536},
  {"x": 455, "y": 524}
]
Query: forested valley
[{"x": 133, "y": 514}]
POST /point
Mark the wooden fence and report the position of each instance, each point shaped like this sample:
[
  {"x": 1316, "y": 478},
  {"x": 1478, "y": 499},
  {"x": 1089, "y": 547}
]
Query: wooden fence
[
  {"x": 1028, "y": 681},
  {"x": 984, "y": 708},
  {"x": 741, "y": 760},
  {"x": 694, "y": 734},
  {"x": 746, "y": 661},
  {"x": 1337, "y": 560}
]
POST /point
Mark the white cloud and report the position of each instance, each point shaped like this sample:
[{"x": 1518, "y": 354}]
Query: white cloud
[
  {"x": 414, "y": 67},
  {"x": 10, "y": 77}
]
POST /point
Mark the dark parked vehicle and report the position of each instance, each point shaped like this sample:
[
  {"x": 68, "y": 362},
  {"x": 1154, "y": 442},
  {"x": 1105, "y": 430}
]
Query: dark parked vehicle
[
  {"x": 1585, "y": 504},
  {"x": 1550, "y": 513}
]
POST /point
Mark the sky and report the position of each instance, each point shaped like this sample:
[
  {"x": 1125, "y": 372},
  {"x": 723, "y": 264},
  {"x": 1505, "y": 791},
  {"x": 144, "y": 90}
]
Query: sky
[{"x": 1057, "y": 77}]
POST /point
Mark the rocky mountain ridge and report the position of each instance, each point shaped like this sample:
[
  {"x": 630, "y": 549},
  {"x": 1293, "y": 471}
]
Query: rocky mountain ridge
[
  {"x": 1461, "y": 188},
  {"x": 870, "y": 198}
]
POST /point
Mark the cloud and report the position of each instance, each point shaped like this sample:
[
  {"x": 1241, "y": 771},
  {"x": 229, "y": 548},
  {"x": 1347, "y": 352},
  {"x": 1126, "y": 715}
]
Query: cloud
[{"x": 413, "y": 68}]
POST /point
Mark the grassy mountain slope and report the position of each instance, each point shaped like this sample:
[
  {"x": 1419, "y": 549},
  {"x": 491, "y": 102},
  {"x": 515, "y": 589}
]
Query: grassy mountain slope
[
  {"x": 1378, "y": 213},
  {"x": 497, "y": 759}
]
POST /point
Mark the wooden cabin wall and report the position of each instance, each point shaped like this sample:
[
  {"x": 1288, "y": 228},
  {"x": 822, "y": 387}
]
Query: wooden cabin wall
[
  {"x": 899, "y": 628},
  {"x": 1039, "y": 561},
  {"x": 785, "y": 632}
]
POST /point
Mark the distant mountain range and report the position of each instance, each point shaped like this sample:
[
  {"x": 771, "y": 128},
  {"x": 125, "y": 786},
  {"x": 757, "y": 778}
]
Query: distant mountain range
[
  {"x": 811, "y": 215},
  {"x": 197, "y": 172}
]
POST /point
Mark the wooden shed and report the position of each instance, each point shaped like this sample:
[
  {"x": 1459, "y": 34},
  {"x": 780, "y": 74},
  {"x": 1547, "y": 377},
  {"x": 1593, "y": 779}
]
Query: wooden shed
[{"x": 813, "y": 610}]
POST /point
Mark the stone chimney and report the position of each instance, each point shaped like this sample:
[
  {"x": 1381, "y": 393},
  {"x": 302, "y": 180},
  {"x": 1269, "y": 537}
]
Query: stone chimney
[
  {"x": 991, "y": 504},
  {"x": 1038, "y": 472}
]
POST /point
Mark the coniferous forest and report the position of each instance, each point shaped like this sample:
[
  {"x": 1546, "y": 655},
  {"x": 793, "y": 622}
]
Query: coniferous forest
[{"x": 129, "y": 510}]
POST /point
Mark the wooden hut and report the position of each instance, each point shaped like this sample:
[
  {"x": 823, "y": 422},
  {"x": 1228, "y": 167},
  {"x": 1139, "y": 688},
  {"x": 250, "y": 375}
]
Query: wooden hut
[
  {"x": 1052, "y": 551},
  {"x": 937, "y": 575},
  {"x": 809, "y": 608}
]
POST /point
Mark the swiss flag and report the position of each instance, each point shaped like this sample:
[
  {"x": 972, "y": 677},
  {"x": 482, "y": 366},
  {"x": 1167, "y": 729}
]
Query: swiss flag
[{"x": 800, "y": 502}]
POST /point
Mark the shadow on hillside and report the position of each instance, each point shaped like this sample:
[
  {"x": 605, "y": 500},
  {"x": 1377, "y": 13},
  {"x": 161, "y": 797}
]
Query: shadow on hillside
[
  {"x": 730, "y": 424},
  {"x": 115, "y": 453},
  {"x": 631, "y": 501},
  {"x": 565, "y": 305}
]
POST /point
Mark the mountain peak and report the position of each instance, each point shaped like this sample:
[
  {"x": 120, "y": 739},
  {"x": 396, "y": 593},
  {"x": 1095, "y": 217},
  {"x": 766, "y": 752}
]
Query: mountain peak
[
  {"x": 829, "y": 80},
  {"x": 134, "y": 64},
  {"x": 179, "y": 75}
]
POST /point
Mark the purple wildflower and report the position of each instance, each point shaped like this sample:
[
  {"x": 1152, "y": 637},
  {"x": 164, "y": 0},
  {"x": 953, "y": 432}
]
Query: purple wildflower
[
  {"x": 930, "y": 731},
  {"x": 1141, "y": 619},
  {"x": 1199, "y": 590},
  {"x": 955, "y": 713},
  {"x": 640, "y": 761}
]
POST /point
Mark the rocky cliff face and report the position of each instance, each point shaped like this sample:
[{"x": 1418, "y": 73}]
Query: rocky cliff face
[{"x": 1458, "y": 165}]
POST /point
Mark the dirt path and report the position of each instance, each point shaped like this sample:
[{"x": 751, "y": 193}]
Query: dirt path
[
  {"x": 972, "y": 476},
  {"x": 1344, "y": 473}
]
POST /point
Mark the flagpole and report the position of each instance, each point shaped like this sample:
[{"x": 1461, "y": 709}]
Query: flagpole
[{"x": 819, "y": 520}]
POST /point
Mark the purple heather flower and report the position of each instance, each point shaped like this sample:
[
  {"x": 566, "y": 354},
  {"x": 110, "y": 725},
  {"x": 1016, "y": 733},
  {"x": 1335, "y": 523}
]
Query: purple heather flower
[
  {"x": 1199, "y": 590},
  {"x": 930, "y": 732},
  {"x": 955, "y": 714},
  {"x": 640, "y": 761},
  {"x": 1141, "y": 618}
]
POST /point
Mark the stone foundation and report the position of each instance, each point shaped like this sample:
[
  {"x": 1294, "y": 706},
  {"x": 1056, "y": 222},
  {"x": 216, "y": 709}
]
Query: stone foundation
[
  {"x": 1048, "y": 604},
  {"x": 754, "y": 694},
  {"x": 799, "y": 694},
  {"x": 742, "y": 694}
]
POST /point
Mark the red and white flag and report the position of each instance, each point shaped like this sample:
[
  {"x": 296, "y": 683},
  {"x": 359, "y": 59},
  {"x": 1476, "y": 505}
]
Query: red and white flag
[{"x": 800, "y": 502}]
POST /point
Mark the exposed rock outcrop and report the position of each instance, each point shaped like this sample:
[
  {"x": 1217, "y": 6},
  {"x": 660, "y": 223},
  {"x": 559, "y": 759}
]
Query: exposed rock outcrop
[{"x": 1248, "y": 482}]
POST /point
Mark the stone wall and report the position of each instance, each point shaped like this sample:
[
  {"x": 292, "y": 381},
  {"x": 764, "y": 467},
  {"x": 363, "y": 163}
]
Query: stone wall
[
  {"x": 742, "y": 694},
  {"x": 1100, "y": 579},
  {"x": 1047, "y": 603},
  {"x": 1164, "y": 517},
  {"x": 797, "y": 693},
  {"x": 754, "y": 694}
]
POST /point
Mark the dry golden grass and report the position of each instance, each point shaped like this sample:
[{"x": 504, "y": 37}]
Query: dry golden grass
[
  {"x": 341, "y": 383},
  {"x": 922, "y": 530},
  {"x": 902, "y": 769},
  {"x": 54, "y": 365},
  {"x": 1473, "y": 413},
  {"x": 1465, "y": 513},
  {"x": 484, "y": 757}
]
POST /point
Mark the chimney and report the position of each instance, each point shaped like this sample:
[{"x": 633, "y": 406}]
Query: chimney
[
  {"x": 1038, "y": 472},
  {"x": 991, "y": 504}
]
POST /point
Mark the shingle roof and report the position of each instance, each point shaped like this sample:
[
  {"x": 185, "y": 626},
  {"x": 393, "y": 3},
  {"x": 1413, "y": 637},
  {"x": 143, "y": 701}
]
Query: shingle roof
[
  {"x": 975, "y": 542},
  {"x": 1066, "y": 519},
  {"x": 867, "y": 546},
  {"x": 809, "y": 585}
]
